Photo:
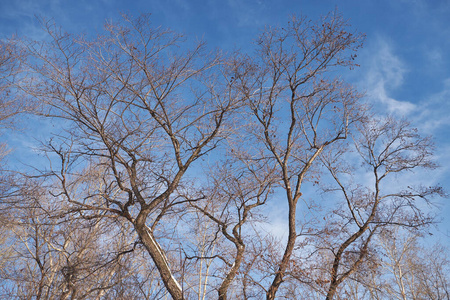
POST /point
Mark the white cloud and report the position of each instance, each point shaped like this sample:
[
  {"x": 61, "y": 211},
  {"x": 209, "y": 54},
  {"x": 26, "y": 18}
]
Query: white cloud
[
  {"x": 433, "y": 116},
  {"x": 379, "y": 93},
  {"x": 433, "y": 119},
  {"x": 385, "y": 73}
]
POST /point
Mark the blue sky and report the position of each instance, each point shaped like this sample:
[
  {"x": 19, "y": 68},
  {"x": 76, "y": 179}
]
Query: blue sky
[{"x": 405, "y": 62}]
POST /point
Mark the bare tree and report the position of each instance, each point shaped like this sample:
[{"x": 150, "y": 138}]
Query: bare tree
[
  {"x": 298, "y": 109},
  {"x": 56, "y": 256},
  {"x": 10, "y": 57},
  {"x": 141, "y": 112},
  {"x": 164, "y": 147},
  {"x": 294, "y": 111},
  {"x": 413, "y": 271},
  {"x": 387, "y": 149},
  {"x": 10, "y": 107},
  {"x": 404, "y": 268},
  {"x": 235, "y": 194}
]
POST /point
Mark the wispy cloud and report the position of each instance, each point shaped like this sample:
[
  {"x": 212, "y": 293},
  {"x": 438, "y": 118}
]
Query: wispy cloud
[
  {"x": 433, "y": 119},
  {"x": 433, "y": 116},
  {"x": 385, "y": 73},
  {"x": 247, "y": 13}
]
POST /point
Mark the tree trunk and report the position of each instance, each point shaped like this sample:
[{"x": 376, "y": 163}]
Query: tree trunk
[
  {"x": 287, "y": 254},
  {"x": 232, "y": 273},
  {"x": 331, "y": 292},
  {"x": 160, "y": 260}
]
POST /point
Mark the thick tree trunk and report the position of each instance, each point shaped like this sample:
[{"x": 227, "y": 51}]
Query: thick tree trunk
[
  {"x": 160, "y": 260},
  {"x": 223, "y": 289},
  {"x": 287, "y": 254},
  {"x": 331, "y": 292}
]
